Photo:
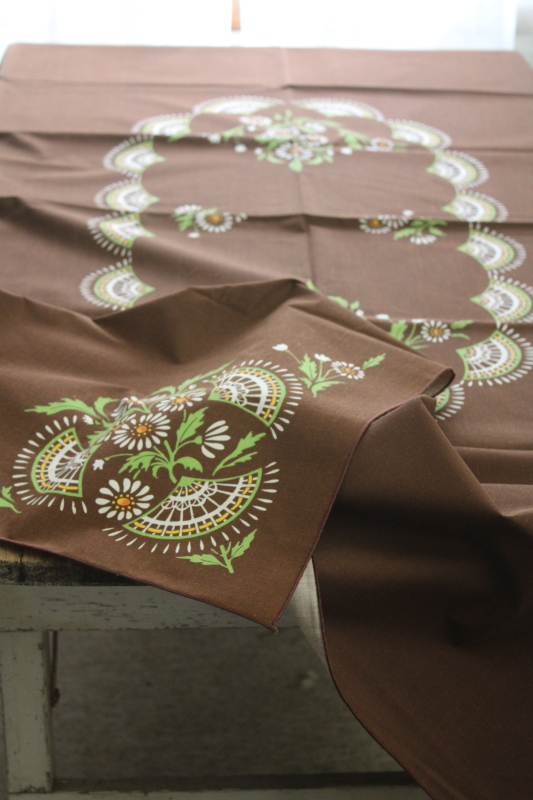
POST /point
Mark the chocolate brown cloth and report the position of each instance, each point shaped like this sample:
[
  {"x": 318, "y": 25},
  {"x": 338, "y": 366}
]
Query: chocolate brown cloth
[{"x": 179, "y": 407}]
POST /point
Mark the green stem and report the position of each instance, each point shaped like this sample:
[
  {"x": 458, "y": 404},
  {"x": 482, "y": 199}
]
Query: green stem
[{"x": 227, "y": 562}]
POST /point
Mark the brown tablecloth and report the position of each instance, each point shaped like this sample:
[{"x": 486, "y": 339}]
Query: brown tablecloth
[{"x": 228, "y": 276}]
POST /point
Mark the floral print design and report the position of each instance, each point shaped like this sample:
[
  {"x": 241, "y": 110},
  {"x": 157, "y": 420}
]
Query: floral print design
[
  {"x": 383, "y": 223},
  {"x": 213, "y": 438},
  {"x": 433, "y": 331},
  {"x": 123, "y": 503},
  {"x": 142, "y": 432},
  {"x": 418, "y": 332},
  {"x": 350, "y": 371},
  {"x": 210, "y": 220},
  {"x": 319, "y": 377},
  {"x": 422, "y": 231},
  {"x": 178, "y": 402}
]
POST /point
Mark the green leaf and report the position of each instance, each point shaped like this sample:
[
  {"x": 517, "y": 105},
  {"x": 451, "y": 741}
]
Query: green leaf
[
  {"x": 233, "y": 133},
  {"x": 186, "y": 481},
  {"x": 397, "y": 329},
  {"x": 436, "y": 231},
  {"x": 6, "y": 500},
  {"x": 296, "y": 165},
  {"x": 138, "y": 461},
  {"x": 340, "y": 300},
  {"x": 205, "y": 559},
  {"x": 320, "y": 385},
  {"x": 242, "y": 547},
  {"x": 374, "y": 361},
  {"x": 462, "y": 323},
  {"x": 460, "y": 336},
  {"x": 190, "y": 463},
  {"x": 236, "y": 456},
  {"x": 307, "y": 382},
  {"x": 355, "y": 305},
  {"x": 101, "y": 403},
  {"x": 185, "y": 220},
  {"x": 65, "y": 404},
  {"x": 404, "y": 232},
  {"x": 308, "y": 367},
  {"x": 311, "y": 285},
  {"x": 190, "y": 424}
]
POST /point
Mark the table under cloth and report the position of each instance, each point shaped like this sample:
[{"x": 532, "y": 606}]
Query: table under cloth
[{"x": 234, "y": 286}]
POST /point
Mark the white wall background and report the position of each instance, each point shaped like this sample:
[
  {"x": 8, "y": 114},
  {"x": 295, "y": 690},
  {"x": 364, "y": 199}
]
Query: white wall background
[{"x": 381, "y": 24}]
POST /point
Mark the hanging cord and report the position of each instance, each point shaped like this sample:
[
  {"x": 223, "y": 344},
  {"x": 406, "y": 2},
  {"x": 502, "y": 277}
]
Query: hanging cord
[
  {"x": 235, "y": 16},
  {"x": 54, "y": 691}
]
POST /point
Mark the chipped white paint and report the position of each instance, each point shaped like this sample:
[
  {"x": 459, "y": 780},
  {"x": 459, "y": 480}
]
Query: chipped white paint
[
  {"x": 85, "y": 608},
  {"x": 25, "y": 681}
]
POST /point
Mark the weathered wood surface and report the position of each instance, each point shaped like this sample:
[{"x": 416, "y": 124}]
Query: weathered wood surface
[
  {"x": 330, "y": 793},
  {"x": 25, "y": 681},
  {"x": 27, "y": 567},
  {"x": 100, "y": 608}
]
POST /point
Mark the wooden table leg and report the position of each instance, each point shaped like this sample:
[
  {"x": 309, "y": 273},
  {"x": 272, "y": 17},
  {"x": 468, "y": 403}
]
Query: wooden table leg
[{"x": 25, "y": 682}]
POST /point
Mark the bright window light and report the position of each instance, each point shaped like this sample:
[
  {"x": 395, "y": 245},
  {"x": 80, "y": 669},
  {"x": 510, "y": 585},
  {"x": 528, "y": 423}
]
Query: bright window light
[{"x": 387, "y": 24}]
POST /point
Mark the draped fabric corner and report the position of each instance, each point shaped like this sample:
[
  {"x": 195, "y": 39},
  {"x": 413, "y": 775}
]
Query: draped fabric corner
[{"x": 247, "y": 319}]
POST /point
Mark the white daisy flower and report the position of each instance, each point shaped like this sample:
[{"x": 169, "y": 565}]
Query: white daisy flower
[
  {"x": 407, "y": 213},
  {"x": 348, "y": 370},
  {"x": 418, "y": 321},
  {"x": 320, "y": 357},
  {"x": 377, "y": 144},
  {"x": 313, "y": 140},
  {"x": 88, "y": 420},
  {"x": 179, "y": 401},
  {"x": 382, "y": 316},
  {"x": 214, "y": 222},
  {"x": 187, "y": 209},
  {"x": 423, "y": 238},
  {"x": 98, "y": 464},
  {"x": 213, "y": 438},
  {"x": 214, "y": 138},
  {"x": 291, "y": 150},
  {"x": 433, "y": 331},
  {"x": 126, "y": 502},
  {"x": 289, "y": 132},
  {"x": 258, "y": 151},
  {"x": 383, "y": 223},
  {"x": 346, "y": 151},
  {"x": 316, "y": 127},
  {"x": 142, "y": 432},
  {"x": 255, "y": 121},
  {"x": 240, "y": 148},
  {"x": 280, "y": 347}
]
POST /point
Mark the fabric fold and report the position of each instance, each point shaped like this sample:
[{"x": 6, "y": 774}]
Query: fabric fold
[
  {"x": 182, "y": 443},
  {"x": 426, "y": 598}
]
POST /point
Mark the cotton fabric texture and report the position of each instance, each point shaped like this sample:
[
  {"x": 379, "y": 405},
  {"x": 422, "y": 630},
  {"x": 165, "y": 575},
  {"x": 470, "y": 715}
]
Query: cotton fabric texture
[{"x": 236, "y": 287}]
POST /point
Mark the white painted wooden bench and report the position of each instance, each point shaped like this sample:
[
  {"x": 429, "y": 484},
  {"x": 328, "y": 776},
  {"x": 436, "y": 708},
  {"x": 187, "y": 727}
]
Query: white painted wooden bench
[{"x": 41, "y": 594}]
